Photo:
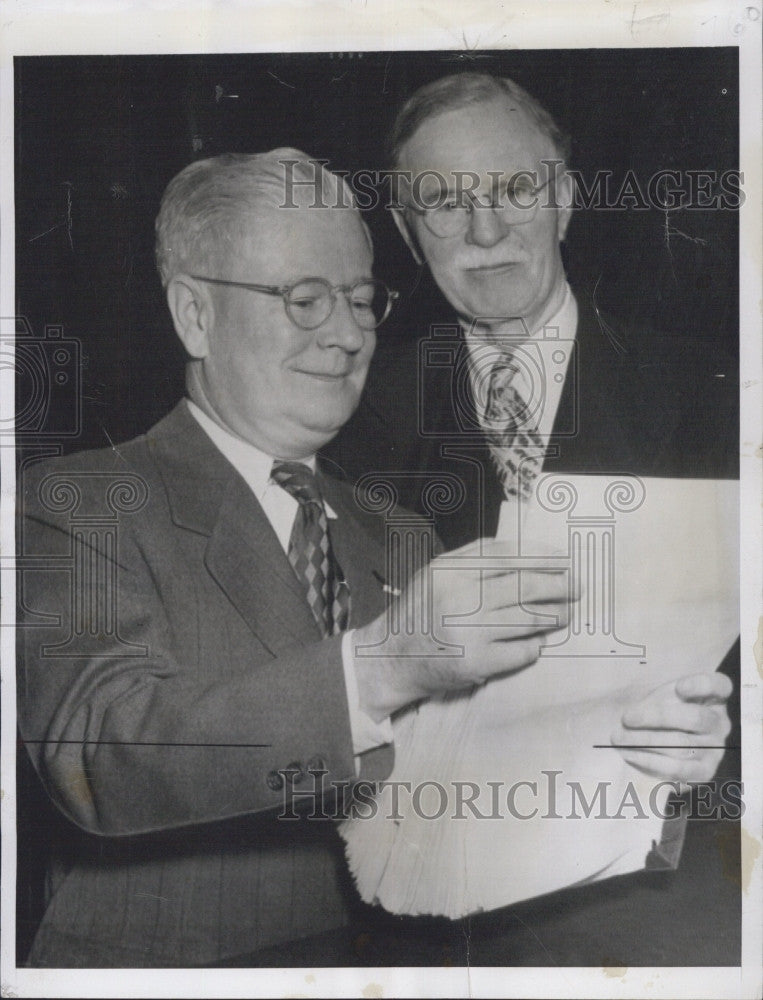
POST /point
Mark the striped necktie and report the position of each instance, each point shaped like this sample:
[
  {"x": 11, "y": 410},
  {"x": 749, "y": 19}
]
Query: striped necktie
[
  {"x": 516, "y": 447},
  {"x": 310, "y": 552}
]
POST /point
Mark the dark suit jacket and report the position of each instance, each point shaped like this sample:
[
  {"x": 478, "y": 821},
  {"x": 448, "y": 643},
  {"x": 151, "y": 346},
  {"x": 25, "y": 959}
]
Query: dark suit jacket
[
  {"x": 634, "y": 401},
  {"x": 170, "y": 666}
]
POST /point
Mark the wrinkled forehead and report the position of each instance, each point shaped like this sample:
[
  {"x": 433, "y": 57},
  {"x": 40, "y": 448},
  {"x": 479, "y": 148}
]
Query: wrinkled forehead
[{"x": 482, "y": 139}]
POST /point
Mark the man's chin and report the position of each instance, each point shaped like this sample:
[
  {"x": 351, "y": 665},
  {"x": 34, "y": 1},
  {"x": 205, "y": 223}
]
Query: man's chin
[
  {"x": 326, "y": 425},
  {"x": 498, "y": 293}
]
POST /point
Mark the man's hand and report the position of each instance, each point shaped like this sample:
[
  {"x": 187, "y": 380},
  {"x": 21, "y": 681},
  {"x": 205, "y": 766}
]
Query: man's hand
[
  {"x": 491, "y": 617},
  {"x": 677, "y": 731}
]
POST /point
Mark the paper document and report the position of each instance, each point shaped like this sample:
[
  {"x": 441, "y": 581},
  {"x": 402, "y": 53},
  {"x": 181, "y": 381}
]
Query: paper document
[{"x": 511, "y": 790}]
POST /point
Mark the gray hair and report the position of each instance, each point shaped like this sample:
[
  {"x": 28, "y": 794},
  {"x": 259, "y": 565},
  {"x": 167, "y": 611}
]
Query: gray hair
[
  {"x": 204, "y": 208},
  {"x": 461, "y": 90}
]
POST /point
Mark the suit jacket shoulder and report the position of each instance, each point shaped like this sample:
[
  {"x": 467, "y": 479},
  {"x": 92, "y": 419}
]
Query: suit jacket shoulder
[{"x": 162, "y": 612}]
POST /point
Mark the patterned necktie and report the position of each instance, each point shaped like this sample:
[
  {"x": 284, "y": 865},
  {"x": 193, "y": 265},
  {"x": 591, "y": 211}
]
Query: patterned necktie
[
  {"x": 310, "y": 552},
  {"x": 516, "y": 447}
]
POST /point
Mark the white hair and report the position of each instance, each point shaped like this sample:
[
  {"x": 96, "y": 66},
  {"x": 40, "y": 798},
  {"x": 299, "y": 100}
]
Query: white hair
[{"x": 203, "y": 213}]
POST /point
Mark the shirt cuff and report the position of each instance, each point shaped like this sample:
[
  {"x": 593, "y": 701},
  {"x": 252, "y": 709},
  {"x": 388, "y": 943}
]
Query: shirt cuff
[{"x": 366, "y": 734}]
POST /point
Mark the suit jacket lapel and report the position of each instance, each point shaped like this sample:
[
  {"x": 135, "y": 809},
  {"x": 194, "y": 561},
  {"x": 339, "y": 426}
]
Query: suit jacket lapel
[
  {"x": 247, "y": 560},
  {"x": 589, "y": 430},
  {"x": 361, "y": 556},
  {"x": 460, "y": 421},
  {"x": 618, "y": 426},
  {"x": 593, "y": 428},
  {"x": 208, "y": 496}
]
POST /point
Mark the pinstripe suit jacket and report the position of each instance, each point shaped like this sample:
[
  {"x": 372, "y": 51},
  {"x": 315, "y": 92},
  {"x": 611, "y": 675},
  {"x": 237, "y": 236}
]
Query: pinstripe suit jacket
[{"x": 169, "y": 666}]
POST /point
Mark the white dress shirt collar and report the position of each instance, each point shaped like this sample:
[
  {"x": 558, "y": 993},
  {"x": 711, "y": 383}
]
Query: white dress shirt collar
[
  {"x": 565, "y": 320},
  {"x": 249, "y": 461},
  {"x": 255, "y": 466}
]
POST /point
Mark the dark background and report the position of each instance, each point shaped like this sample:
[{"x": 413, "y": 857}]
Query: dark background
[{"x": 98, "y": 139}]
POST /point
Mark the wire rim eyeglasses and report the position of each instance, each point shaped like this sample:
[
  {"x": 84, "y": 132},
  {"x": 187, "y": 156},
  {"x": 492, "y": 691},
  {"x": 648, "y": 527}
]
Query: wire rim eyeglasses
[
  {"x": 310, "y": 301},
  {"x": 515, "y": 204}
]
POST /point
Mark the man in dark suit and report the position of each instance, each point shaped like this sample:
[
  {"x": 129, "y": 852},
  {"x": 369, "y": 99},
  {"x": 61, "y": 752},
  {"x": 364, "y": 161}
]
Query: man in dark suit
[
  {"x": 196, "y": 604},
  {"x": 486, "y": 204},
  {"x": 529, "y": 376}
]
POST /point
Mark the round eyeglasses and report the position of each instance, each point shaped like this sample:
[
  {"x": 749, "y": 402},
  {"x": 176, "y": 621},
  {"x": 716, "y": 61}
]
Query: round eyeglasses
[
  {"x": 310, "y": 301},
  {"x": 514, "y": 203}
]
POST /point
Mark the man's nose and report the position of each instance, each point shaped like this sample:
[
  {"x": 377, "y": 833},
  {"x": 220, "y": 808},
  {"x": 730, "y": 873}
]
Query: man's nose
[
  {"x": 341, "y": 329},
  {"x": 485, "y": 228}
]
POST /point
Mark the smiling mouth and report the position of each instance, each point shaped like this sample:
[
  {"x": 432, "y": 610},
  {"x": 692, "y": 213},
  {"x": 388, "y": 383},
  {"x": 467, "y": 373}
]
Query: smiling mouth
[{"x": 326, "y": 376}]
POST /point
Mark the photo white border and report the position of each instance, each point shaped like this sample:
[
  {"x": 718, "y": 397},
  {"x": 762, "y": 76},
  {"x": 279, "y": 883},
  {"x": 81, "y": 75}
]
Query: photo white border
[{"x": 101, "y": 27}]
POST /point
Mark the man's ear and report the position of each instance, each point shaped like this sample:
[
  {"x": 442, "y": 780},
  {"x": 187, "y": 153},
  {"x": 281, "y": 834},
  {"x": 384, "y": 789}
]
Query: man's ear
[
  {"x": 565, "y": 199},
  {"x": 410, "y": 240},
  {"x": 192, "y": 314}
]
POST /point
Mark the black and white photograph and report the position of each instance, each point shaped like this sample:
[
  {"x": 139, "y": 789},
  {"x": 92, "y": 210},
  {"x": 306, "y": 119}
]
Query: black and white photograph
[{"x": 381, "y": 459}]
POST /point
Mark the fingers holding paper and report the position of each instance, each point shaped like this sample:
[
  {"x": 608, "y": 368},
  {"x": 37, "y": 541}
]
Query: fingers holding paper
[
  {"x": 678, "y": 730},
  {"x": 466, "y": 617}
]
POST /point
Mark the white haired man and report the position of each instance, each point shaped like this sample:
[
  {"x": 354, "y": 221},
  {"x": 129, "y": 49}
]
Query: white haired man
[
  {"x": 196, "y": 597},
  {"x": 485, "y": 204}
]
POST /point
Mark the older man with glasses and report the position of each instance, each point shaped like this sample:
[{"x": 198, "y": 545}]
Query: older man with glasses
[
  {"x": 206, "y": 635},
  {"x": 523, "y": 374}
]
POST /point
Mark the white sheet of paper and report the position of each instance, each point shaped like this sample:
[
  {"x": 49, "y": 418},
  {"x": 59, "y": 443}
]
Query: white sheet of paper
[{"x": 501, "y": 778}]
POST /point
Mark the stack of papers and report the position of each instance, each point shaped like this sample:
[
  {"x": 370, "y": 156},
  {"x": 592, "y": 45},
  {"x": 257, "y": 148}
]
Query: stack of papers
[{"x": 511, "y": 790}]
